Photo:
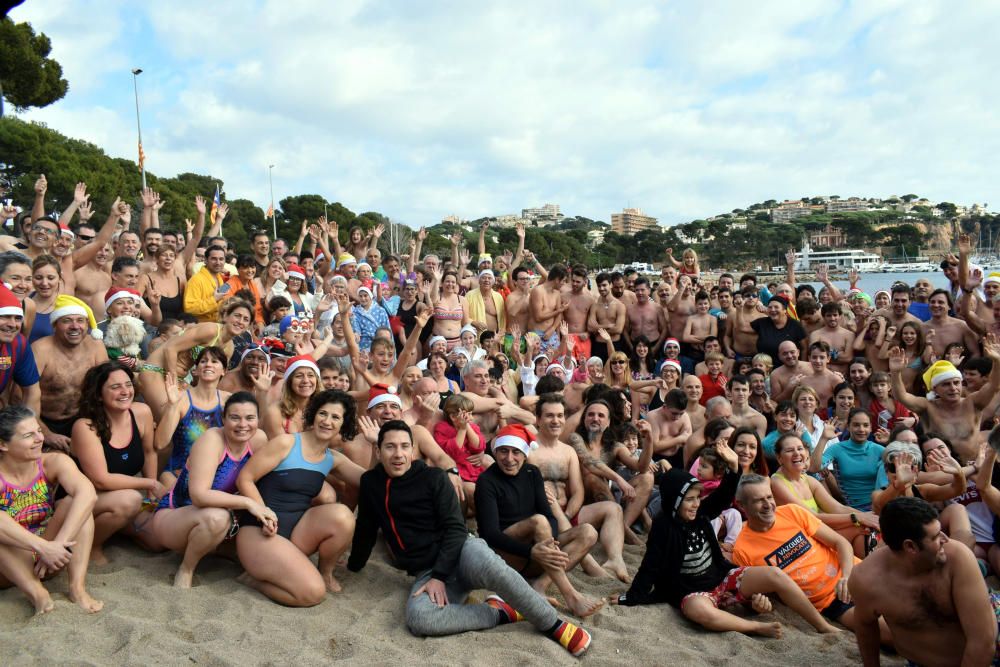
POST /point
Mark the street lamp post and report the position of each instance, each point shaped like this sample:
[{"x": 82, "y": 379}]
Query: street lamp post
[
  {"x": 274, "y": 222},
  {"x": 135, "y": 86}
]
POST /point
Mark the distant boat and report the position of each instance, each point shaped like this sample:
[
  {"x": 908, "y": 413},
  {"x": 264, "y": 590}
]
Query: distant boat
[{"x": 845, "y": 259}]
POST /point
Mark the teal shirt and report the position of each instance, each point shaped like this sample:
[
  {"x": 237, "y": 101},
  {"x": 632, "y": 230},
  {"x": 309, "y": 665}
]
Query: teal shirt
[{"x": 856, "y": 466}]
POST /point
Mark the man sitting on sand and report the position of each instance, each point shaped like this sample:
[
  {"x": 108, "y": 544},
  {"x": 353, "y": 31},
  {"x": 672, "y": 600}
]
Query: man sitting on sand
[
  {"x": 418, "y": 513},
  {"x": 793, "y": 539},
  {"x": 929, "y": 591},
  {"x": 513, "y": 516}
]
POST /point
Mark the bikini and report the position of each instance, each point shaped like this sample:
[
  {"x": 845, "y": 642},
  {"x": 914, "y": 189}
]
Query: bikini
[
  {"x": 452, "y": 315},
  {"x": 31, "y": 505},
  {"x": 810, "y": 503}
]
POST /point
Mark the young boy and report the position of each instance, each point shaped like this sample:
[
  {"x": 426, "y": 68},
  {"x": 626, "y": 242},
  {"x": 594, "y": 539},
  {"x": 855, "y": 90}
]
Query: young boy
[
  {"x": 713, "y": 383},
  {"x": 710, "y": 469},
  {"x": 633, "y": 460},
  {"x": 885, "y": 411},
  {"x": 822, "y": 379},
  {"x": 837, "y": 337},
  {"x": 713, "y": 344},
  {"x": 685, "y": 566},
  {"x": 699, "y": 326}
]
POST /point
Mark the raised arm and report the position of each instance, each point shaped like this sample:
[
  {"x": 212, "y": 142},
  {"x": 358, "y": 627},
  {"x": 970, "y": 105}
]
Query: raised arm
[
  {"x": 119, "y": 211},
  {"x": 482, "y": 238},
  {"x": 220, "y": 215},
  {"x": 823, "y": 275},
  {"x": 790, "y": 264},
  {"x": 187, "y": 255},
  {"x": 38, "y": 209},
  {"x": 79, "y": 199}
]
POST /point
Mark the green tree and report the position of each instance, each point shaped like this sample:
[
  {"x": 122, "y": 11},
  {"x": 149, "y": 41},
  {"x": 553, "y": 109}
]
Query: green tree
[
  {"x": 910, "y": 197},
  {"x": 28, "y": 77}
]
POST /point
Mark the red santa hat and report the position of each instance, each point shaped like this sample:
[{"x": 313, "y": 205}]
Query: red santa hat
[
  {"x": 516, "y": 436},
  {"x": 116, "y": 293},
  {"x": 9, "y": 304},
  {"x": 296, "y": 271},
  {"x": 383, "y": 393},
  {"x": 64, "y": 230},
  {"x": 300, "y": 361}
]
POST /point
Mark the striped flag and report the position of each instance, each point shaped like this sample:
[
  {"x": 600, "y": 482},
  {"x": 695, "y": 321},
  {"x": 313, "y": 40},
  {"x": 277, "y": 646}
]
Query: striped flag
[
  {"x": 270, "y": 211},
  {"x": 142, "y": 157},
  {"x": 215, "y": 205}
]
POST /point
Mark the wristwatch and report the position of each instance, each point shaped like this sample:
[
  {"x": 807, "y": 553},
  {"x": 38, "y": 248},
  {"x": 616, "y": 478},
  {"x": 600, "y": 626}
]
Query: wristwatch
[
  {"x": 854, "y": 520},
  {"x": 452, "y": 471}
]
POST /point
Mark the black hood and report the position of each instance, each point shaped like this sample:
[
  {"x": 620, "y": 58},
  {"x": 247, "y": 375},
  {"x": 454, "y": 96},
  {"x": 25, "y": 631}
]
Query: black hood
[{"x": 673, "y": 485}]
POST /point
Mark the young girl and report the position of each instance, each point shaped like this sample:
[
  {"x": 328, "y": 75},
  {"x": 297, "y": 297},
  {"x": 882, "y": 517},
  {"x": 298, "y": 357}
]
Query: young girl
[
  {"x": 685, "y": 566},
  {"x": 689, "y": 264},
  {"x": 886, "y": 412},
  {"x": 462, "y": 440},
  {"x": 919, "y": 352},
  {"x": 710, "y": 468},
  {"x": 634, "y": 455},
  {"x": 469, "y": 338}
]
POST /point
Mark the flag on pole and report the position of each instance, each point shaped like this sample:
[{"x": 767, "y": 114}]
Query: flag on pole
[
  {"x": 270, "y": 211},
  {"x": 142, "y": 157},
  {"x": 215, "y": 205}
]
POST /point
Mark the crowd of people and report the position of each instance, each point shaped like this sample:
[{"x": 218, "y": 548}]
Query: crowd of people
[{"x": 501, "y": 423}]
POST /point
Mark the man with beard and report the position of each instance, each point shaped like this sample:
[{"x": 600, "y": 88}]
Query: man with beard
[
  {"x": 260, "y": 243},
  {"x": 94, "y": 278},
  {"x": 927, "y": 589},
  {"x": 947, "y": 329},
  {"x": 152, "y": 239},
  {"x": 62, "y": 360},
  {"x": 619, "y": 289},
  {"x": 17, "y": 362},
  {"x": 515, "y": 518},
  {"x": 607, "y": 313}
]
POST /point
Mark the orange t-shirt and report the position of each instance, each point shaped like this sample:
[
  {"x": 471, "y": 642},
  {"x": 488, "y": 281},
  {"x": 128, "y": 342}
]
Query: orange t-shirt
[{"x": 814, "y": 566}]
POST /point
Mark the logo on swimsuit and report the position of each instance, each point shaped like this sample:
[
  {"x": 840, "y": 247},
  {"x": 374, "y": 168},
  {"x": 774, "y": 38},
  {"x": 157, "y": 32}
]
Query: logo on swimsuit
[
  {"x": 5, "y": 363},
  {"x": 789, "y": 552}
]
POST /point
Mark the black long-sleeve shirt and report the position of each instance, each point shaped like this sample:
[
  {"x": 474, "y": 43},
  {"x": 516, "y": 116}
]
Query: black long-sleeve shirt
[
  {"x": 419, "y": 516},
  {"x": 502, "y": 500}
]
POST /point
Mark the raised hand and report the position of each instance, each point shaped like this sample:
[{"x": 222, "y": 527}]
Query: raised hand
[
  {"x": 422, "y": 234},
  {"x": 80, "y": 194},
  {"x": 519, "y": 230},
  {"x": 464, "y": 257},
  {"x": 822, "y": 273},
  {"x": 158, "y": 203},
  {"x": 905, "y": 473},
  {"x": 223, "y": 211},
  {"x": 991, "y": 347},
  {"x": 379, "y": 230},
  {"x": 670, "y": 252},
  {"x": 41, "y": 185},
  {"x": 148, "y": 197},
  {"x": 189, "y": 225},
  {"x": 86, "y": 211},
  {"x": 456, "y": 238},
  {"x": 153, "y": 296},
  {"x": 262, "y": 383},
  {"x": 604, "y": 335},
  {"x": 964, "y": 244},
  {"x": 897, "y": 359},
  {"x": 370, "y": 428},
  {"x": 199, "y": 204},
  {"x": 8, "y": 212},
  {"x": 172, "y": 390},
  {"x": 790, "y": 257}
]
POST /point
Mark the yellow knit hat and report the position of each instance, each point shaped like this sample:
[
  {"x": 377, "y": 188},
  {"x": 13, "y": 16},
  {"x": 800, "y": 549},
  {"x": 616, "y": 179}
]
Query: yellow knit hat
[
  {"x": 938, "y": 372},
  {"x": 66, "y": 305}
]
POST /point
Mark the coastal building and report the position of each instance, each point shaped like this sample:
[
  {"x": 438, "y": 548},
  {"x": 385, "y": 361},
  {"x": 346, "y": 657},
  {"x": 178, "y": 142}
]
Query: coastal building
[
  {"x": 848, "y": 205},
  {"x": 452, "y": 219},
  {"x": 510, "y": 220},
  {"x": 595, "y": 237},
  {"x": 631, "y": 221},
  {"x": 543, "y": 216},
  {"x": 828, "y": 237},
  {"x": 788, "y": 211}
]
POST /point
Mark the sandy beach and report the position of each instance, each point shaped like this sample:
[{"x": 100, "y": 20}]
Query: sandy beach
[{"x": 220, "y": 622}]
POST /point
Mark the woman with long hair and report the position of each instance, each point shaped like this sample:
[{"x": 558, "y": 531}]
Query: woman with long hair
[
  {"x": 449, "y": 310},
  {"x": 113, "y": 441},
  {"x": 40, "y": 536},
  {"x": 177, "y": 355},
  {"x": 301, "y": 380},
  {"x": 274, "y": 273},
  {"x": 190, "y": 413},
  {"x": 197, "y": 515},
  {"x": 286, "y": 478},
  {"x": 166, "y": 282}
]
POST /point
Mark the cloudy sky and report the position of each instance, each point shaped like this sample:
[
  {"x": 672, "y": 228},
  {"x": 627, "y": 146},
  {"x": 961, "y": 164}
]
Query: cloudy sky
[{"x": 425, "y": 109}]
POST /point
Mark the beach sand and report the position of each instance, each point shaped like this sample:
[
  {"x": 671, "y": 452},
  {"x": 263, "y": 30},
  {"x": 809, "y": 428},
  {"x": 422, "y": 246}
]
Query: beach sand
[{"x": 220, "y": 622}]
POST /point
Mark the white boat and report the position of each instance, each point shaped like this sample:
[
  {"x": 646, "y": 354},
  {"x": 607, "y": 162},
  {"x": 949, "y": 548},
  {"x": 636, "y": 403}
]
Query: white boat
[{"x": 847, "y": 258}]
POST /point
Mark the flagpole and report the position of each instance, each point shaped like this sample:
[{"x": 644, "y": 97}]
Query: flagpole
[
  {"x": 135, "y": 85},
  {"x": 274, "y": 223}
]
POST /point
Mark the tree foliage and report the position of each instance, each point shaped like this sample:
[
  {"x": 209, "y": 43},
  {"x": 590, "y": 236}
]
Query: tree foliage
[{"x": 28, "y": 77}]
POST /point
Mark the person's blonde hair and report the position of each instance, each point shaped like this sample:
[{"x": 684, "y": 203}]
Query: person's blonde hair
[
  {"x": 803, "y": 389},
  {"x": 456, "y": 403},
  {"x": 764, "y": 359}
]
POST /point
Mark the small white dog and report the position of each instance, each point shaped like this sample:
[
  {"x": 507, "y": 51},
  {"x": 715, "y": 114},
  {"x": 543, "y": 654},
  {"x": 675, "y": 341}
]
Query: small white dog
[{"x": 125, "y": 334}]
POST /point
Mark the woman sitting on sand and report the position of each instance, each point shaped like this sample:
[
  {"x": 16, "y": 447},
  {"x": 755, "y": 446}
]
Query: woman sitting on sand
[
  {"x": 299, "y": 384},
  {"x": 177, "y": 355},
  {"x": 113, "y": 441},
  {"x": 39, "y": 536},
  {"x": 286, "y": 477},
  {"x": 197, "y": 515}
]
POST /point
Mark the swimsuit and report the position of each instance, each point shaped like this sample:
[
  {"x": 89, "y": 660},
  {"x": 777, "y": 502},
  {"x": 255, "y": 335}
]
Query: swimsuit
[
  {"x": 42, "y": 327},
  {"x": 127, "y": 460},
  {"x": 194, "y": 422},
  {"x": 810, "y": 503},
  {"x": 224, "y": 480},
  {"x": 289, "y": 489},
  {"x": 31, "y": 505}
]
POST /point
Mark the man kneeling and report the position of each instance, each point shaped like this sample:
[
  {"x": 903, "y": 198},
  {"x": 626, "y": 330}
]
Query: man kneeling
[
  {"x": 418, "y": 513},
  {"x": 513, "y": 516}
]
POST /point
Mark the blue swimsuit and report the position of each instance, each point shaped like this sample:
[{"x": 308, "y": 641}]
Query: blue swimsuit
[{"x": 225, "y": 479}]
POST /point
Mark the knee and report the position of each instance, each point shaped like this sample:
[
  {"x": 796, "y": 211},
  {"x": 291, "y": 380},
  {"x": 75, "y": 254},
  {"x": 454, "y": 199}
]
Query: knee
[
  {"x": 124, "y": 504},
  {"x": 589, "y": 535},
  {"x": 215, "y": 520},
  {"x": 312, "y": 593},
  {"x": 417, "y": 621},
  {"x": 543, "y": 530},
  {"x": 342, "y": 517}
]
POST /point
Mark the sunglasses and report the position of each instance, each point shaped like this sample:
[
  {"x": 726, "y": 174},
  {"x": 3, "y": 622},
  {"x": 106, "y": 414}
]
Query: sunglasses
[
  {"x": 84, "y": 237},
  {"x": 617, "y": 362}
]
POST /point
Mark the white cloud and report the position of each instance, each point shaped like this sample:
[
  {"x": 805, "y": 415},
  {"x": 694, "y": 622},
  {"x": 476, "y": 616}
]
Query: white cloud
[{"x": 421, "y": 110}]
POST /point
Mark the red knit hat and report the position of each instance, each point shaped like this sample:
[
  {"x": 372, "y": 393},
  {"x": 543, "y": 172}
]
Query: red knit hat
[
  {"x": 383, "y": 393},
  {"x": 516, "y": 436},
  {"x": 9, "y": 304},
  {"x": 296, "y": 271},
  {"x": 300, "y": 361}
]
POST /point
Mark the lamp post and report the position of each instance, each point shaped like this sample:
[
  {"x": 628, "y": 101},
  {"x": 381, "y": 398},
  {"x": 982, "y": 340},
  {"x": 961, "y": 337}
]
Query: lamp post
[
  {"x": 274, "y": 223},
  {"x": 135, "y": 86}
]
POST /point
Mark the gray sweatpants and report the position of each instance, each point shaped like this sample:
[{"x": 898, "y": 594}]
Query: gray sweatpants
[{"x": 478, "y": 567}]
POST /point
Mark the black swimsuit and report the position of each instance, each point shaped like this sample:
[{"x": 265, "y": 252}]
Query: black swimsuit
[
  {"x": 171, "y": 307},
  {"x": 127, "y": 460}
]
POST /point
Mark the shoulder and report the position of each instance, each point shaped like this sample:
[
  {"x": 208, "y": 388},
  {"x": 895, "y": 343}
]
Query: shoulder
[{"x": 142, "y": 412}]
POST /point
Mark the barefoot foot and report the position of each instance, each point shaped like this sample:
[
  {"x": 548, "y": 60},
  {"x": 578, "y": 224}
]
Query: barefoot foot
[
  {"x": 591, "y": 567},
  {"x": 631, "y": 537},
  {"x": 84, "y": 601},
  {"x": 98, "y": 557},
  {"x": 768, "y": 630},
  {"x": 583, "y": 606},
  {"x": 184, "y": 578},
  {"x": 331, "y": 583},
  {"x": 43, "y": 602},
  {"x": 617, "y": 568}
]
